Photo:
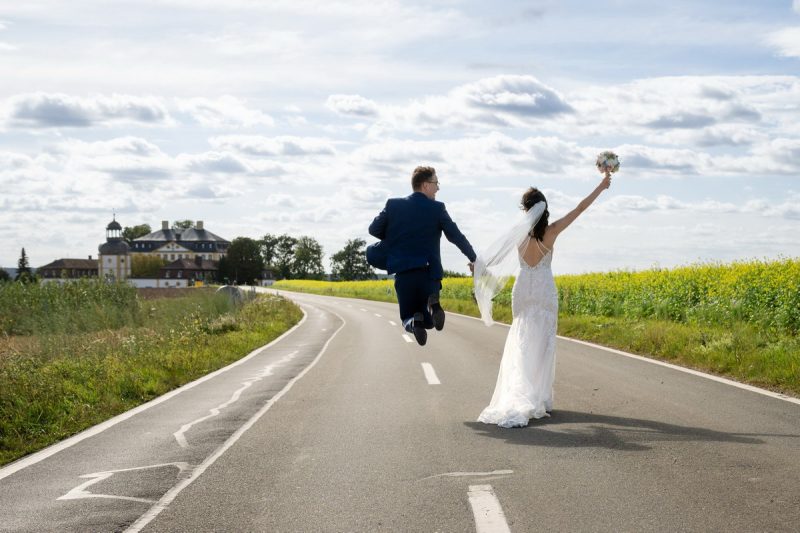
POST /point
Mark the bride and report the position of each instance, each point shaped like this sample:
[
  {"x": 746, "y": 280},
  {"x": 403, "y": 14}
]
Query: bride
[{"x": 524, "y": 387}]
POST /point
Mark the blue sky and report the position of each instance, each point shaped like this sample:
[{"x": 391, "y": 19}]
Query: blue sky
[{"x": 303, "y": 116}]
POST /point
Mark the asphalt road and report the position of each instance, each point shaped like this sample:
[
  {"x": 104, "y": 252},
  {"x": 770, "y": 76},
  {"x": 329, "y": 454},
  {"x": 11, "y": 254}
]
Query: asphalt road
[{"x": 345, "y": 424}]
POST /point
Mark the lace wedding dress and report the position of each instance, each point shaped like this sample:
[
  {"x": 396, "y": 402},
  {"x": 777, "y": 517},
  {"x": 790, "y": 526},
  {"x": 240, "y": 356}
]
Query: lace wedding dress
[{"x": 524, "y": 387}]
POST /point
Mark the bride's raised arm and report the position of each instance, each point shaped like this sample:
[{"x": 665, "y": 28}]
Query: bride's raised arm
[{"x": 563, "y": 223}]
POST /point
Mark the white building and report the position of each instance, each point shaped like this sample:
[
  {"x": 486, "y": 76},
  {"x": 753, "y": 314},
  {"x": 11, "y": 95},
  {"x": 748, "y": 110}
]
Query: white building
[{"x": 114, "y": 262}]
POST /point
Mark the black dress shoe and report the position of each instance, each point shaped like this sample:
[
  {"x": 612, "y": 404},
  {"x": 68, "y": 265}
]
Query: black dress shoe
[
  {"x": 437, "y": 313},
  {"x": 418, "y": 327}
]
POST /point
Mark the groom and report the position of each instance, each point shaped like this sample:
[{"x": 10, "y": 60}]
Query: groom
[{"x": 410, "y": 229}]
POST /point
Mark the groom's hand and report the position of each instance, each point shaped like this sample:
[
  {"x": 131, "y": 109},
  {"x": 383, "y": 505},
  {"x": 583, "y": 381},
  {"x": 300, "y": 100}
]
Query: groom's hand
[{"x": 471, "y": 267}]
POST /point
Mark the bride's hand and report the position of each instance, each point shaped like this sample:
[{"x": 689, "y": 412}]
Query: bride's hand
[{"x": 606, "y": 183}]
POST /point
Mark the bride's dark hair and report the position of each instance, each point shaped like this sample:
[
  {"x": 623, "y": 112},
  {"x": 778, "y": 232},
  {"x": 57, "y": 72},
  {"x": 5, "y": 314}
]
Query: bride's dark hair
[{"x": 530, "y": 198}]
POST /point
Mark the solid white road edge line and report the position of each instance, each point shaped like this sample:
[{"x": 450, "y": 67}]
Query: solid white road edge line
[
  {"x": 99, "y": 428},
  {"x": 489, "y": 515},
  {"x": 430, "y": 374},
  {"x": 712, "y": 377},
  {"x": 171, "y": 494}
]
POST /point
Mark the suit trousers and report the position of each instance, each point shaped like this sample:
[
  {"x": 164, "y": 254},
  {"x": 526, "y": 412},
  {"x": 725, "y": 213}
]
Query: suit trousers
[{"x": 413, "y": 288}]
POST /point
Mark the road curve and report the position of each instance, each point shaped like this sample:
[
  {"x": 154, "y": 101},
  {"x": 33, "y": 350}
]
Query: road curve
[{"x": 363, "y": 430}]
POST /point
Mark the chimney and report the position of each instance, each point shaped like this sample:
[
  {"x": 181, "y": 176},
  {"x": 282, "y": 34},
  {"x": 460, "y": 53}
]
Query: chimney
[
  {"x": 90, "y": 258},
  {"x": 198, "y": 224},
  {"x": 165, "y": 224}
]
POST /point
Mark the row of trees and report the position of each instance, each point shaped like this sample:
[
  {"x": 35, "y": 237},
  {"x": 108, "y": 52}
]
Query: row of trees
[{"x": 290, "y": 257}]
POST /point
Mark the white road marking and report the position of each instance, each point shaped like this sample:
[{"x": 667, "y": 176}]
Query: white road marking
[
  {"x": 489, "y": 515},
  {"x": 466, "y": 474},
  {"x": 266, "y": 371},
  {"x": 324, "y": 329},
  {"x": 171, "y": 494},
  {"x": 99, "y": 428},
  {"x": 378, "y": 315},
  {"x": 80, "y": 492},
  {"x": 364, "y": 310},
  {"x": 712, "y": 377},
  {"x": 430, "y": 374},
  {"x": 392, "y": 322},
  {"x": 406, "y": 337}
]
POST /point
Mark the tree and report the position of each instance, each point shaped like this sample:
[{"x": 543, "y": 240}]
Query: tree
[
  {"x": 269, "y": 244},
  {"x": 243, "y": 262},
  {"x": 134, "y": 232},
  {"x": 284, "y": 257},
  {"x": 24, "y": 273},
  {"x": 179, "y": 225},
  {"x": 146, "y": 266},
  {"x": 307, "y": 262},
  {"x": 4, "y": 276},
  {"x": 350, "y": 263}
]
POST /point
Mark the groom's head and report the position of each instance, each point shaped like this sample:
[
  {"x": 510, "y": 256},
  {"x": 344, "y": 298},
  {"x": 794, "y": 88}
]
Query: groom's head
[{"x": 424, "y": 180}]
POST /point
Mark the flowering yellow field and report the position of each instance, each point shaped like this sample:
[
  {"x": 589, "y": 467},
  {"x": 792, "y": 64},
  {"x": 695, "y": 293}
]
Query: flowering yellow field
[
  {"x": 739, "y": 319},
  {"x": 763, "y": 293}
]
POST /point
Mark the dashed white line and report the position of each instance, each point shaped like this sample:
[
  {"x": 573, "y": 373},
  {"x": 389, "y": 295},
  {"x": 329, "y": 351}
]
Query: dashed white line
[
  {"x": 406, "y": 337},
  {"x": 392, "y": 322},
  {"x": 363, "y": 309},
  {"x": 489, "y": 515},
  {"x": 477, "y": 474},
  {"x": 378, "y": 315},
  {"x": 430, "y": 374}
]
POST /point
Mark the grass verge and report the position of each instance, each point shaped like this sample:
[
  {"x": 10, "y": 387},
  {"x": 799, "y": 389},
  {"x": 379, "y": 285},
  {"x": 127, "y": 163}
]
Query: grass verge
[{"x": 56, "y": 384}]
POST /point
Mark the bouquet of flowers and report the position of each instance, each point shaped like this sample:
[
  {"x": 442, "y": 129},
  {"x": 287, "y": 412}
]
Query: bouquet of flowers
[{"x": 607, "y": 162}]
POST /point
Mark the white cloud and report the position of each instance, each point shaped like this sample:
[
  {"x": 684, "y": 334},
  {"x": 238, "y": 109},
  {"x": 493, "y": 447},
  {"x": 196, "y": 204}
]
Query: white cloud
[
  {"x": 786, "y": 41},
  {"x": 796, "y": 5},
  {"x": 352, "y": 104},
  {"x": 56, "y": 110},
  {"x": 256, "y": 145},
  {"x": 225, "y": 111}
]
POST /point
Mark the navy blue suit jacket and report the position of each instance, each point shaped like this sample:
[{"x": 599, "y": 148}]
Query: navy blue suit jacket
[{"x": 411, "y": 229}]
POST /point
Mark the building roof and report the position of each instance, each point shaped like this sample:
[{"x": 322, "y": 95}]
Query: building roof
[
  {"x": 186, "y": 235},
  {"x": 79, "y": 264},
  {"x": 114, "y": 247},
  {"x": 114, "y": 225}
]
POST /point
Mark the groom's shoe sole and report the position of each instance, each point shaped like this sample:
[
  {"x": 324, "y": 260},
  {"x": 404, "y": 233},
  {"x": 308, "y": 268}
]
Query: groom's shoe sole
[
  {"x": 437, "y": 313},
  {"x": 418, "y": 327}
]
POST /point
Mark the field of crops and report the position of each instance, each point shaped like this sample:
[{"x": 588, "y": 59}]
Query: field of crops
[
  {"x": 763, "y": 293},
  {"x": 739, "y": 319}
]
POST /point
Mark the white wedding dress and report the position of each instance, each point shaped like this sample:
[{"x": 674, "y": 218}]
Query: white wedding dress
[{"x": 524, "y": 387}]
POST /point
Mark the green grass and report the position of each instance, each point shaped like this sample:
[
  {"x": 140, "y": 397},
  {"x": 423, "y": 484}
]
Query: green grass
[
  {"x": 739, "y": 320},
  {"x": 57, "y": 383}
]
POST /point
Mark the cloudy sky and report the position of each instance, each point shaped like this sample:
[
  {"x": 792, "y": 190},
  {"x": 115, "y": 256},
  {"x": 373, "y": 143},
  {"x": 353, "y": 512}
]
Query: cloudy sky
[{"x": 303, "y": 116}]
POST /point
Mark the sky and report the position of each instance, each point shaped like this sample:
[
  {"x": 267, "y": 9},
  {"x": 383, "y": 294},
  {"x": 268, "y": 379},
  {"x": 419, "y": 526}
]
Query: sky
[{"x": 303, "y": 116}]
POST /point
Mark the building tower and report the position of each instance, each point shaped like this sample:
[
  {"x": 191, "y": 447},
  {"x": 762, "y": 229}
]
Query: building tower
[{"x": 114, "y": 261}]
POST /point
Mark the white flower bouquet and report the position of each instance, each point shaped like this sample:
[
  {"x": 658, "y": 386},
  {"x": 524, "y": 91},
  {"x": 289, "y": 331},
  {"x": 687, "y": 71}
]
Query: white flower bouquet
[{"x": 607, "y": 162}]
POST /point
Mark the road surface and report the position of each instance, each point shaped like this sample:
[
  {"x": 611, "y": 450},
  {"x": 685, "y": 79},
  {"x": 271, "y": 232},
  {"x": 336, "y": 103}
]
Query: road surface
[{"x": 346, "y": 424}]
